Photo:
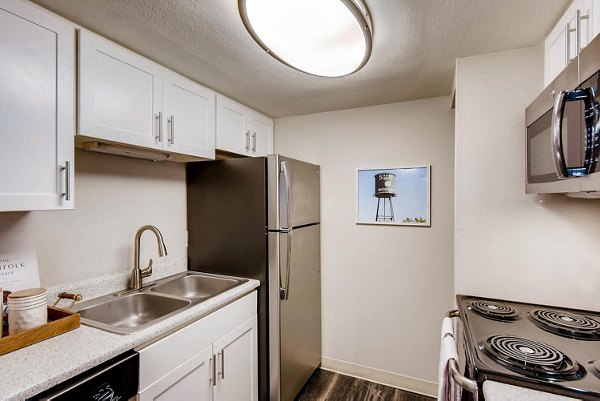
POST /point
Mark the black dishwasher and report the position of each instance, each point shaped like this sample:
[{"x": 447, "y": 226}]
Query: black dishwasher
[{"x": 114, "y": 380}]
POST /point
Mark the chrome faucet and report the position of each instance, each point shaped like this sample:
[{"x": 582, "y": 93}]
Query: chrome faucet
[{"x": 138, "y": 273}]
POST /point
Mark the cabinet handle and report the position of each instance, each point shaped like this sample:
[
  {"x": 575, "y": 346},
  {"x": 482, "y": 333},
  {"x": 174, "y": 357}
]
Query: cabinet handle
[
  {"x": 567, "y": 44},
  {"x": 254, "y": 142},
  {"x": 248, "y": 141},
  {"x": 222, "y": 372},
  {"x": 213, "y": 368},
  {"x": 578, "y": 29},
  {"x": 159, "y": 136},
  {"x": 67, "y": 169},
  {"x": 172, "y": 133}
]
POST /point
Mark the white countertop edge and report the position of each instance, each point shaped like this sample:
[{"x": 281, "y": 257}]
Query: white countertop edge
[
  {"x": 494, "y": 391},
  {"x": 34, "y": 369}
]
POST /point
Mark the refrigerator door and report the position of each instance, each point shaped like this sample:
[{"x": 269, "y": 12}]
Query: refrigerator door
[
  {"x": 295, "y": 329},
  {"x": 294, "y": 193}
]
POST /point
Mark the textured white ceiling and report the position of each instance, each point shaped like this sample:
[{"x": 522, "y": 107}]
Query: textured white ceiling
[{"x": 415, "y": 45}]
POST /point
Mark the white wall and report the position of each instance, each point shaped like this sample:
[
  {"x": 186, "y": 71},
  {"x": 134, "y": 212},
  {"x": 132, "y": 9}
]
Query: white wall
[
  {"x": 507, "y": 244},
  {"x": 114, "y": 196},
  {"x": 384, "y": 289}
]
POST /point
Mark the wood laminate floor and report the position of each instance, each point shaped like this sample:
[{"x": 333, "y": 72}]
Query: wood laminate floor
[{"x": 331, "y": 386}]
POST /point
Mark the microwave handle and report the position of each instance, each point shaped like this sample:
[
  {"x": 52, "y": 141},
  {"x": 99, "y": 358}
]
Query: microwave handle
[
  {"x": 557, "y": 147},
  {"x": 592, "y": 125}
]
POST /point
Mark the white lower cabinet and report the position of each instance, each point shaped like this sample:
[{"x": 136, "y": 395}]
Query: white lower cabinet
[
  {"x": 189, "y": 381},
  {"x": 236, "y": 356},
  {"x": 214, "y": 358}
]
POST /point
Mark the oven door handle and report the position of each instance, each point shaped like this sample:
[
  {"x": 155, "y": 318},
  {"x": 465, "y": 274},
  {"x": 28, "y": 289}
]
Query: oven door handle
[{"x": 467, "y": 384}]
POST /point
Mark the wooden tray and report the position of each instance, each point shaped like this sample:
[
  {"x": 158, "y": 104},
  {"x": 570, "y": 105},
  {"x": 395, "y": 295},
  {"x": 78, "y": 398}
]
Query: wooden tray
[{"x": 59, "y": 321}]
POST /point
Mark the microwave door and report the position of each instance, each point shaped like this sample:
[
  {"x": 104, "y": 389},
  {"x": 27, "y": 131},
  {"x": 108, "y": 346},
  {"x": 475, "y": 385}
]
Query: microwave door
[
  {"x": 559, "y": 143},
  {"x": 575, "y": 136}
]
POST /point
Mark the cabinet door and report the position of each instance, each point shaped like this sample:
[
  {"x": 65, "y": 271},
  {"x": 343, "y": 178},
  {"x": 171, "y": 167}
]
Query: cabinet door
[
  {"x": 37, "y": 102},
  {"x": 189, "y": 115},
  {"x": 237, "y": 364},
  {"x": 595, "y": 19},
  {"x": 189, "y": 381},
  {"x": 119, "y": 93},
  {"x": 261, "y": 132},
  {"x": 563, "y": 36},
  {"x": 233, "y": 134}
]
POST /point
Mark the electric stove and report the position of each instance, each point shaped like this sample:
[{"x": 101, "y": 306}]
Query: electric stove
[{"x": 544, "y": 348}]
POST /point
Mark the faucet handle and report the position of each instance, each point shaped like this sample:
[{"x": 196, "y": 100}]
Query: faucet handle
[{"x": 147, "y": 271}]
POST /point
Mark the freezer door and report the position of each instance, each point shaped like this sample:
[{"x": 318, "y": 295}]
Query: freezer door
[
  {"x": 294, "y": 193},
  {"x": 295, "y": 341}
]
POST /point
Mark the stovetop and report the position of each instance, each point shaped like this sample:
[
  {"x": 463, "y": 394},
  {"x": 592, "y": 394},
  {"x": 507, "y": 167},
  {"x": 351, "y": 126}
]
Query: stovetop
[{"x": 541, "y": 347}]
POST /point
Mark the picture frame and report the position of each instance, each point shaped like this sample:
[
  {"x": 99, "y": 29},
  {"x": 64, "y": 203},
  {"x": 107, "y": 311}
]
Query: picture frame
[{"x": 394, "y": 196}]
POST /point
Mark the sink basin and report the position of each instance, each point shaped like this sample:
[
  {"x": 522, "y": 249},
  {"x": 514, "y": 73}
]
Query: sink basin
[
  {"x": 130, "y": 312},
  {"x": 197, "y": 286}
]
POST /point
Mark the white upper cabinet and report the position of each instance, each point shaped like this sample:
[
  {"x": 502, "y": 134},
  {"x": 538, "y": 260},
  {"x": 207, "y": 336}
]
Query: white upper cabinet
[
  {"x": 242, "y": 130},
  {"x": 595, "y": 19},
  {"x": 233, "y": 134},
  {"x": 37, "y": 106},
  {"x": 189, "y": 112},
  {"x": 570, "y": 36},
  {"x": 128, "y": 99},
  {"x": 119, "y": 93},
  {"x": 261, "y": 134}
]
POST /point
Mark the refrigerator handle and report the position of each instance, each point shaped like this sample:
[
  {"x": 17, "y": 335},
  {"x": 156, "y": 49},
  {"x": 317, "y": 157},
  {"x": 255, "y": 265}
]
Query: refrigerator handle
[{"x": 284, "y": 291}]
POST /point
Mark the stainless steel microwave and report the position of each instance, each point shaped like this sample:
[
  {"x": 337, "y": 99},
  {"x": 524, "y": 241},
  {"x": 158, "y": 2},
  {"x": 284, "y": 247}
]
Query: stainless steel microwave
[{"x": 563, "y": 131}]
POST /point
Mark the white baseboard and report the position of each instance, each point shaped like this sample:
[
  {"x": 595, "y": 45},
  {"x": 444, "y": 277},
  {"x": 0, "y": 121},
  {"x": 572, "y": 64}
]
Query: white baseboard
[{"x": 402, "y": 382}]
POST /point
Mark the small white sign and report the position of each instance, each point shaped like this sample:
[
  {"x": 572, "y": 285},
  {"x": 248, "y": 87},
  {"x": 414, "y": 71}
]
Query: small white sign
[{"x": 19, "y": 271}]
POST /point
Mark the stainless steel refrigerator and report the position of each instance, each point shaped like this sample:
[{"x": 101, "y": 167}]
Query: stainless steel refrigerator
[{"x": 259, "y": 218}]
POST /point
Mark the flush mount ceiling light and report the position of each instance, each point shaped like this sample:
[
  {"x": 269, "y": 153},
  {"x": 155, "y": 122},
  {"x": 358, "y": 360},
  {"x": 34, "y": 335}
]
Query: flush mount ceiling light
[{"x": 328, "y": 38}]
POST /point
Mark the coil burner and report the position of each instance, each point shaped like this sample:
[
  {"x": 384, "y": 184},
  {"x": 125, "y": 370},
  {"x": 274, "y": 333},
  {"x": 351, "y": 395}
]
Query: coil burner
[
  {"x": 566, "y": 324},
  {"x": 532, "y": 358},
  {"x": 494, "y": 310}
]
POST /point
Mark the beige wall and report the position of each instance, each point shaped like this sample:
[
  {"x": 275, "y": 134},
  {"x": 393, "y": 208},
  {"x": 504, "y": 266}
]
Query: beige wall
[
  {"x": 509, "y": 245},
  {"x": 385, "y": 289},
  {"x": 114, "y": 196}
]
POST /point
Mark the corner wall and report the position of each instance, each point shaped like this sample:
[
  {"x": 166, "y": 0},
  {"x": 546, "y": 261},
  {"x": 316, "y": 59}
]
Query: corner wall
[
  {"x": 385, "y": 289},
  {"x": 508, "y": 245}
]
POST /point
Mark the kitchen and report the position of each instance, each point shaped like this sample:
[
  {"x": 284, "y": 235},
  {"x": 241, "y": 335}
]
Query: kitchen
[{"x": 490, "y": 238}]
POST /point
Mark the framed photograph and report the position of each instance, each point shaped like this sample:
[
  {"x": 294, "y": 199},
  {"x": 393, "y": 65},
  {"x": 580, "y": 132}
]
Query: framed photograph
[{"x": 394, "y": 196}]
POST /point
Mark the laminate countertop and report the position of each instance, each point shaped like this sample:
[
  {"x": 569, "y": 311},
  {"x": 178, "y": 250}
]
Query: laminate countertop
[
  {"x": 36, "y": 368},
  {"x": 494, "y": 391}
]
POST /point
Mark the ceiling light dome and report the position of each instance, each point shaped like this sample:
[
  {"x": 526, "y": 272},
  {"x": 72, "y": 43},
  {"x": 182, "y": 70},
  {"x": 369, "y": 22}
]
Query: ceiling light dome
[{"x": 328, "y": 38}]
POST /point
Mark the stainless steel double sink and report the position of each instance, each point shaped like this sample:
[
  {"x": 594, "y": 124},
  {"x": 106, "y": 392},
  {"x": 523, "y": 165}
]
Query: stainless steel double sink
[{"x": 126, "y": 312}]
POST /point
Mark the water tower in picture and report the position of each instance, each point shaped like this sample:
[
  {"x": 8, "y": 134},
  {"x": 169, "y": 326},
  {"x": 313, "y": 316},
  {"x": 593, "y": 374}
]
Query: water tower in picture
[{"x": 385, "y": 190}]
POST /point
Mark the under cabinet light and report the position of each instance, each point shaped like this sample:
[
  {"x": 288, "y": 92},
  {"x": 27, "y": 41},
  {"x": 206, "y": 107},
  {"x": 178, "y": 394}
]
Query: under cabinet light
[
  {"x": 328, "y": 38},
  {"x": 122, "y": 150}
]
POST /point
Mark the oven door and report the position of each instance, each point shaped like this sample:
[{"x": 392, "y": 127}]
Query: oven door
[{"x": 465, "y": 361}]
